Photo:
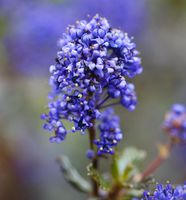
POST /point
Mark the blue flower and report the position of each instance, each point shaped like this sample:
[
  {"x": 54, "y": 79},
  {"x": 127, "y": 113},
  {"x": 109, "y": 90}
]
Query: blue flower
[
  {"x": 53, "y": 121},
  {"x": 175, "y": 122},
  {"x": 91, "y": 68},
  {"x": 167, "y": 192},
  {"x": 110, "y": 132},
  {"x": 90, "y": 154},
  {"x": 33, "y": 28},
  {"x": 128, "y": 15}
]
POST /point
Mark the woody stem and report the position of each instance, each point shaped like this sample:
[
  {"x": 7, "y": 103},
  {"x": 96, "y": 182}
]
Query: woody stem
[{"x": 92, "y": 135}]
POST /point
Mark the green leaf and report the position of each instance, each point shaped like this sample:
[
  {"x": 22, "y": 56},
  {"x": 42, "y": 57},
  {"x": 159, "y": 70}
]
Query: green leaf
[
  {"x": 133, "y": 193},
  {"x": 114, "y": 167},
  {"x": 125, "y": 164},
  {"x": 72, "y": 176},
  {"x": 103, "y": 183},
  {"x": 128, "y": 170}
]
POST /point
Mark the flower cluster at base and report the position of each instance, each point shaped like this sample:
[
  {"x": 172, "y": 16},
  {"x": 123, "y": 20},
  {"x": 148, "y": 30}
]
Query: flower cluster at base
[
  {"x": 167, "y": 192},
  {"x": 175, "y": 122},
  {"x": 91, "y": 66},
  {"x": 110, "y": 132}
]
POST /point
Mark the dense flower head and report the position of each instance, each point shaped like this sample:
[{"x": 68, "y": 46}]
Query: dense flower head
[
  {"x": 31, "y": 27},
  {"x": 175, "y": 122},
  {"x": 110, "y": 132},
  {"x": 91, "y": 68},
  {"x": 167, "y": 192}
]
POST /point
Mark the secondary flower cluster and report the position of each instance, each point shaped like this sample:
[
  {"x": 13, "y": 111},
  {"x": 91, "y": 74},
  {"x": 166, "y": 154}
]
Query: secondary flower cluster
[
  {"x": 91, "y": 66},
  {"x": 175, "y": 122},
  {"x": 167, "y": 192},
  {"x": 110, "y": 132}
]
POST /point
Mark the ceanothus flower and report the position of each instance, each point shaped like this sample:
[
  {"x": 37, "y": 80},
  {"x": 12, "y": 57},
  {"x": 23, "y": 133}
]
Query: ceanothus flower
[
  {"x": 91, "y": 68},
  {"x": 167, "y": 192},
  {"x": 34, "y": 25},
  {"x": 110, "y": 132},
  {"x": 175, "y": 122}
]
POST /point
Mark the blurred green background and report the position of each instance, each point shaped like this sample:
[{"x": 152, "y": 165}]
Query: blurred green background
[{"x": 29, "y": 31}]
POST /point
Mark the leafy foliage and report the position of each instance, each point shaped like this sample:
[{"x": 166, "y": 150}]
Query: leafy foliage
[{"x": 72, "y": 176}]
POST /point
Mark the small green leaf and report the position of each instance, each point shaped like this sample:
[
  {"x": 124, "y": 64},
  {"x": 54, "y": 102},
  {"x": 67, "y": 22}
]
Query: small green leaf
[
  {"x": 125, "y": 164},
  {"x": 130, "y": 194},
  {"x": 130, "y": 155},
  {"x": 103, "y": 183},
  {"x": 114, "y": 167},
  {"x": 128, "y": 170},
  {"x": 72, "y": 176}
]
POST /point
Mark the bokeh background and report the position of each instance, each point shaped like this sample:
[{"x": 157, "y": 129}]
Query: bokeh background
[{"x": 29, "y": 31}]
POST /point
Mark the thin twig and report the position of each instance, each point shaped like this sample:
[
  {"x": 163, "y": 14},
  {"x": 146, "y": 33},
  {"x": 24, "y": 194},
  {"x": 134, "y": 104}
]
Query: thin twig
[
  {"x": 163, "y": 154},
  {"x": 102, "y": 102},
  {"x": 112, "y": 104}
]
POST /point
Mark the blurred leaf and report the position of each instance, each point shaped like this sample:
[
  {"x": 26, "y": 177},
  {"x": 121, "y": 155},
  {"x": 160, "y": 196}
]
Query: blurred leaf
[
  {"x": 114, "y": 168},
  {"x": 72, "y": 176},
  {"x": 125, "y": 164},
  {"x": 131, "y": 194},
  {"x": 129, "y": 156},
  {"x": 104, "y": 184},
  {"x": 129, "y": 169}
]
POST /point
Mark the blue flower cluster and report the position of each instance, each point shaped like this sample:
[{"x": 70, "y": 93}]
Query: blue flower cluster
[
  {"x": 110, "y": 132},
  {"x": 37, "y": 23},
  {"x": 167, "y": 192},
  {"x": 91, "y": 68},
  {"x": 175, "y": 122}
]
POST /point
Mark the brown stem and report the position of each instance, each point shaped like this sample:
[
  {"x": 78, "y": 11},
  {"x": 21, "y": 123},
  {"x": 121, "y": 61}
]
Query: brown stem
[
  {"x": 102, "y": 102},
  {"x": 164, "y": 152},
  {"x": 114, "y": 193},
  {"x": 95, "y": 187},
  {"x": 109, "y": 105}
]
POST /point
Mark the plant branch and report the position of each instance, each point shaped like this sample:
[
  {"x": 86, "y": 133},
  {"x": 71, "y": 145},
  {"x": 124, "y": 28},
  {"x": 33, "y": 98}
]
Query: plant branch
[
  {"x": 114, "y": 193},
  {"x": 102, "y": 102},
  {"x": 92, "y": 135},
  {"x": 164, "y": 152},
  {"x": 109, "y": 105}
]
